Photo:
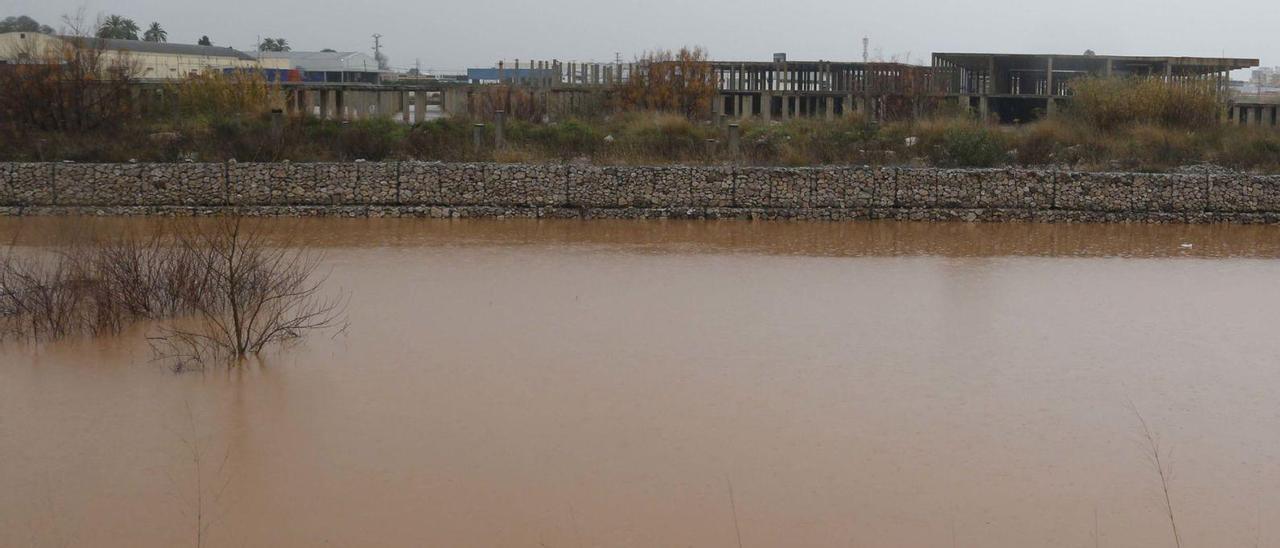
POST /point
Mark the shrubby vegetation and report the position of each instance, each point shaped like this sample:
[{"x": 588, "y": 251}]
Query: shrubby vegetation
[
  {"x": 217, "y": 289},
  {"x": 1135, "y": 124}
]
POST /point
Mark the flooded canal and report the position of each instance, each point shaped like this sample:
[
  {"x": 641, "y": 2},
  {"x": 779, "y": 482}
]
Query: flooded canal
[{"x": 648, "y": 383}]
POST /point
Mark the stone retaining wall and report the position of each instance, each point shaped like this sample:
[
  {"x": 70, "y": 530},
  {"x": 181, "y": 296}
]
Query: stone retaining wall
[{"x": 473, "y": 190}]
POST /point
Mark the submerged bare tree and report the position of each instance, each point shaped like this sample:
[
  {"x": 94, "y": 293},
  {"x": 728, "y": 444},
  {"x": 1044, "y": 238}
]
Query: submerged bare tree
[
  {"x": 222, "y": 289},
  {"x": 255, "y": 295}
]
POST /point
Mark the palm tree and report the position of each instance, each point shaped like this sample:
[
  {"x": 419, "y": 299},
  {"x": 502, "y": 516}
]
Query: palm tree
[
  {"x": 155, "y": 33},
  {"x": 118, "y": 26},
  {"x": 274, "y": 44}
]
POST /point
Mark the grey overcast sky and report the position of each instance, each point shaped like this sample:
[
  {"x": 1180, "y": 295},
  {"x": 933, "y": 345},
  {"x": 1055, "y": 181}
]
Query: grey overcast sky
[{"x": 454, "y": 34}]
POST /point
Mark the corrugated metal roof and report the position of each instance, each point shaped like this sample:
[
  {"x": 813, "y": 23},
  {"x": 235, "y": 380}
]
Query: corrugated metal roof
[{"x": 166, "y": 48}]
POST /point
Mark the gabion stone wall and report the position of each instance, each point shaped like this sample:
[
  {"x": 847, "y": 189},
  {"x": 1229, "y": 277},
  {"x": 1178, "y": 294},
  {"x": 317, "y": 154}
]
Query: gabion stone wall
[{"x": 828, "y": 192}]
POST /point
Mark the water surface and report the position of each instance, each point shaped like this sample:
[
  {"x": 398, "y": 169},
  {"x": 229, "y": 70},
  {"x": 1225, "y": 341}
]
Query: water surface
[{"x": 568, "y": 383}]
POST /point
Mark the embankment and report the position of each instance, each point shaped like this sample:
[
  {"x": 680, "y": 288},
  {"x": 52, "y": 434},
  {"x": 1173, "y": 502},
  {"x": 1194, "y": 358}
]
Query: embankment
[{"x": 573, "y": 191}]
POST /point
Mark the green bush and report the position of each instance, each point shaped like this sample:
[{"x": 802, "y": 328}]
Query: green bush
[
  {"x": 372, "y": 139},
  {"x": 963, "y": 143}
]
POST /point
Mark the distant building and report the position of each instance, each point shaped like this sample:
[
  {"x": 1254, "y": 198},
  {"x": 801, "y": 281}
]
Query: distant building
[
  {"x": 1024, "y": 86},
  {"x": 151, "y": 61},
  {"x": 507, "y": 75},
  {"x": 328, "y": 66},
  {"x": 1266, "y": 76}
]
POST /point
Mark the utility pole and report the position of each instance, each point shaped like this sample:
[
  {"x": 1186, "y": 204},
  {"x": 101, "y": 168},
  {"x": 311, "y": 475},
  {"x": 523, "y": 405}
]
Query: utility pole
[
  {"x": 865, "y": 42},
  {"x": 377, "y": 49}
]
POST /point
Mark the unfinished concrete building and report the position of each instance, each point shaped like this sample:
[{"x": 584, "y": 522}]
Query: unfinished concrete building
[
  {"x": 1253, "y": 113},
  {"x": 780, "y": 89},
  {"x": 1023, "y": 87},
  {"x": 785, "y": 89}
]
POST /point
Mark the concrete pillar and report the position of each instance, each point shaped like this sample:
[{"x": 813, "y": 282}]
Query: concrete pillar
[
  {"x": 1049, "y": 82},
  {"x": 277, "y": 123},
  {"x": 477, "y": 137},
  {"x": 339, "y": 104},
  {"x": 766, "y": 106},
  {"x": 1244, "y": 116},
  {"x": 419, "y": 106},
  {"x": 984, "y": 108},
  {"x": 831, "y": 107},
  {"x": 735, "y": 140},
  {"x": 405, "y": 115},
  {"x": 499, "y": 128}
]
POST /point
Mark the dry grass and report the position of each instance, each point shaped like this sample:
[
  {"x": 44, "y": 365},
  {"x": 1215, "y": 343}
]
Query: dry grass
[{"x": 1111, "y": 103}]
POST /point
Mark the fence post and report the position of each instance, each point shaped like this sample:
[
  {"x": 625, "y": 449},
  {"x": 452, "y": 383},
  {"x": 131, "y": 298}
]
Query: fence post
[
  {"x": 477, "y": 137},
  {"x": 277, "y": 124},
  {"x": 500, "y": 122}
]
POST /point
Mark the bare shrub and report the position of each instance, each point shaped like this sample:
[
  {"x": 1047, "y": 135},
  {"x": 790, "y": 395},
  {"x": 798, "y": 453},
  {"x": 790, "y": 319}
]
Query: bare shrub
[
  {"x": 682, "y": 82},
  {"x": 518, "y": 102},
  {"x": 214, "y": 95},
  {"x": 254, "y": 295},
  {"x": 94, "y": 287},
  {"x": 38, "y": 298},
  {"x": 224, "y": 292}
]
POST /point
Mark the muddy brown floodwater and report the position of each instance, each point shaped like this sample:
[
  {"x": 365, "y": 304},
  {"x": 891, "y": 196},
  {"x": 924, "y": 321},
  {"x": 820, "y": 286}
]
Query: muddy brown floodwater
[{"x": 647, "y": 383}]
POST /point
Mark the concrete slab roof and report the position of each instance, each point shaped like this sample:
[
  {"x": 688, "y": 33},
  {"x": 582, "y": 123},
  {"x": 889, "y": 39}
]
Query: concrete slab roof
[{"x": 978, "y": 61}]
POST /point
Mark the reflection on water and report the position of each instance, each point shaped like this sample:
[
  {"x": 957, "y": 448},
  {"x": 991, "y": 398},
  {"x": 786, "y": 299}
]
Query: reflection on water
[{"x": 523, "y": 383}]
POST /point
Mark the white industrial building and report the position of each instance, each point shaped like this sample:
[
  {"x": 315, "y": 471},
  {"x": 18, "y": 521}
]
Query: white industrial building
[
  {"x": 153, "y": 61},
  {"x": 328, "y": 66}
]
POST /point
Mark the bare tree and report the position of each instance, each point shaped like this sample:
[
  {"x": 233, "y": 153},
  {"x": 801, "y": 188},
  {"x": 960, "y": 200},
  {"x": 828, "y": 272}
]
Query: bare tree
[{"x": 256, "y": 295}]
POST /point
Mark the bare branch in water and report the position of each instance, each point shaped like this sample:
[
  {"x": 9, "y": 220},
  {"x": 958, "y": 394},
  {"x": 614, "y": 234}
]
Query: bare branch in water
[{"x": 1160, "y": 460}]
